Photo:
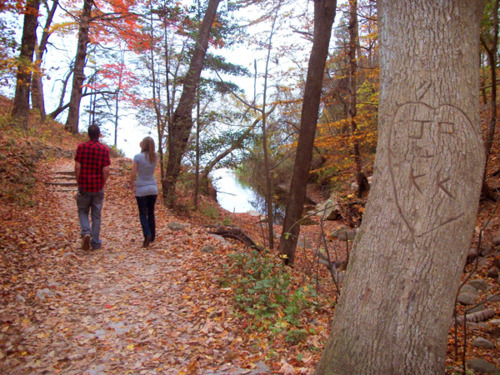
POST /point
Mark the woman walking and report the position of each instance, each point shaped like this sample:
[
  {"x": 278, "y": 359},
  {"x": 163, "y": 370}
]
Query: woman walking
[{"x": 145, "y": 187}]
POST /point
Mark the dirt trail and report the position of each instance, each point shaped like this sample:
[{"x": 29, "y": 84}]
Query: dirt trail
[{"x": 121, "y": 309}]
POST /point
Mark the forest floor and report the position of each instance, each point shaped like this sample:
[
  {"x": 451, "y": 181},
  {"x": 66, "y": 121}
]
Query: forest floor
[
  {"x": 126, "y": 309},
  {"x": 171, "y": 308}
]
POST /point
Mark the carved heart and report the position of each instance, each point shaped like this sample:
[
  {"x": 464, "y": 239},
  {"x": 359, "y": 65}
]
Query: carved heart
[{"x": 430, "y": 160}]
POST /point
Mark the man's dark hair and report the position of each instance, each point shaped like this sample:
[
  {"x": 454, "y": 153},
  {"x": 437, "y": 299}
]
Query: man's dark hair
[{"x": 94, "y": 132}]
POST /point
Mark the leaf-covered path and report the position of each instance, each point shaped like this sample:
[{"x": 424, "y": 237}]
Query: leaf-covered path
[{"x": 121, "y": 309}]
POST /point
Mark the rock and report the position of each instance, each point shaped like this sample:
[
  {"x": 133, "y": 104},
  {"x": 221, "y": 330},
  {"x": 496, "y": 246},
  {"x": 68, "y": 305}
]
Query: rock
[
  {"x": 481, "y": 365},
  {"x": 221, "y": 239},
  {"x": 343, "y": 234},
  {"x": 480, "y": 284},
  {"x": 253, "y": 213},
  {"x": 483, "y": 261},
  {"x": 479, "y": 307},
  {"x": 472, "y": 325},
  {"x": 484, "y": 325},
  {"x": 495, "y": 322},
  {"x": 175, "y": 226},
  {"x": 329, "y": 209},
  {"x": 306, "y": 220},
  {"x": 467, "y": 298},
  {"x": 304, "y": 243},
  {"x": 208, "y": 249},
  {"x": 471, "y": 255},
  {"x": 493, "y": 272},
  {"x": 494, "y": 298},
  {"x": 469, "y": 289},
  {"x": 496, "y": 239},
  {"x": 487, "y": 250},
  {"x": 42, "y": 293},
  {"x": 496, "y": 262},
  {"x": 479, "y": 342},
  {"x": 260, "y": 368}
]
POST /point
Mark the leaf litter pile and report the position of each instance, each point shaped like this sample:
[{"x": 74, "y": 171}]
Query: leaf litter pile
[{"x": 168, "y": 309}]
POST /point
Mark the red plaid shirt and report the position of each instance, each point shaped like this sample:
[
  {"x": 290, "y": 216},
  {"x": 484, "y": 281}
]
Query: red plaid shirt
[{"x": 93, "y": 156}]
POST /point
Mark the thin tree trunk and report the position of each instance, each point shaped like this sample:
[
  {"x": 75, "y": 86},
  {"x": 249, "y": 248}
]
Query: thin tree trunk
[
  {"x": 182, "y": 121},
  {"x": 361, "y": 179},
  {"x": 20, "y": 110},
  {"x": 265, "y": 147},
  {"x": 37, "y": 96},
  {"x": 78, "y": 72},
  {"x": 397, "y": 301},
  {"x": 492, "y": 60},
  {"x": 324, "y": 14}
]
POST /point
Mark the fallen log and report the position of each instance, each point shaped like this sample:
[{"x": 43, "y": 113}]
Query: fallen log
[{"x": 235, "y": 233}]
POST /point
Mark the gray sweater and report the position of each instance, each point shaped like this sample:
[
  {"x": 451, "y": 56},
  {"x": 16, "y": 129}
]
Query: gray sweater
[{"x": 146, "y": 182}]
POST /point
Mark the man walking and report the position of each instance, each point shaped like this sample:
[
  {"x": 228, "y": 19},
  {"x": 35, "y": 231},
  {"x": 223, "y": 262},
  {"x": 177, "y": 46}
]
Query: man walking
[{"x": 92, "y": 163}]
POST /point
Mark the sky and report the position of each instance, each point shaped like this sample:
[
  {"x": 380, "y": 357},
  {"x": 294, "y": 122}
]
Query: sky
[{"x": 62, "y": 50}]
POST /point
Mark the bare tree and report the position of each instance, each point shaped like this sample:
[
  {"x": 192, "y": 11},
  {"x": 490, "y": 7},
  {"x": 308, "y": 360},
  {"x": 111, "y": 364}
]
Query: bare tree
[
  {"x": 37, "y": 96},
  {"x": 78, "y": 70}
]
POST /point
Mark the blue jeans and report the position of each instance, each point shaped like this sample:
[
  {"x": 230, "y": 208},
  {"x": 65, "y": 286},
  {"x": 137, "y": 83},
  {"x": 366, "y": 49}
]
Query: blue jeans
[
  {"x": 90, "y": 202},
  {"x": 146, "y": 207}
]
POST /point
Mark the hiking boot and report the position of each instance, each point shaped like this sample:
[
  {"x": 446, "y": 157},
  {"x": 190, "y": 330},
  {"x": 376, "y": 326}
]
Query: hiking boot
[
  {"x": 86, "y": 242},
  {"x": 147, "y": 241}
]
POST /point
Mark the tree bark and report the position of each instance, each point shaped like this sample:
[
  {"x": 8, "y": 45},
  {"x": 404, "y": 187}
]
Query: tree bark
[
  {"x": 21, "y": 107},
  {"x": 179, "y": 128},
  {"x": 78, "y": 71},
  {"x": 324, "y": 14},
  {"x": 397, "y": 301}
]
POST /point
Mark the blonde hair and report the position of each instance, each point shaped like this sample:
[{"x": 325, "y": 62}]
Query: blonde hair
[{"x": 148, "y": 146}]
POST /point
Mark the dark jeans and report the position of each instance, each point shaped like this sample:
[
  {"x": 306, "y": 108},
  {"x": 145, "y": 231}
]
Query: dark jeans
[{"x": 147, "y": 215}]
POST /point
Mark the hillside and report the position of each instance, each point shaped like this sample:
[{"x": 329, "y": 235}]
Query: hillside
[{"x": 193, "y": 303}]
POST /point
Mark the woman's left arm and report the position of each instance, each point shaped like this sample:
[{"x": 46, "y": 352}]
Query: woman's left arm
[{"x": 132, "y": 176}]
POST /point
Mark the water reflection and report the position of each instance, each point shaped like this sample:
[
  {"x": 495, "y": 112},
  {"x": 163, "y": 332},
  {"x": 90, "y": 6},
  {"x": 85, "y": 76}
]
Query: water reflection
[
  {"x": 238, "y": 198},
  {"x": 231, "y": 194}
]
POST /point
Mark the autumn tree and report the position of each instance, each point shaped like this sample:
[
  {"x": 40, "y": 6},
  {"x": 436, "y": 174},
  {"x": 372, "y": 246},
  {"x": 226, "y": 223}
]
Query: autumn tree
[
  {"x": 397, "y": 300},
  {"x": 21, "y": 106},
  {"x": 489, "y": 42},
  {"x": 324, "y": 14},
  {"x": 347, "y": 129},
  {"x": 179, "y": 129}
]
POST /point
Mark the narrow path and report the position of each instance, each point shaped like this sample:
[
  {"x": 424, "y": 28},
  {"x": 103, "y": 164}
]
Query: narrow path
[{"x": 122, "y": 309}]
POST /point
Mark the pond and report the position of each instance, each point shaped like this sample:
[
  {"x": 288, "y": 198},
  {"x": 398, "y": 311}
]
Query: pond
[
  {"x": 237, "y": 198},
  {"x": 231, "y": 194}
]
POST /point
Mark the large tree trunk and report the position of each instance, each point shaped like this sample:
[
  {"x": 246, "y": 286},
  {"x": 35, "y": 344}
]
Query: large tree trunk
[
  {"x": 78, "y": 71},
  {"x": 324, "y": 14},
  {"x": 396, "y": 305},
  {"x": 21, "y": 106},
  {"x": 179, "y": 128}
]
